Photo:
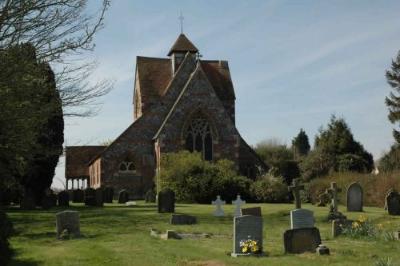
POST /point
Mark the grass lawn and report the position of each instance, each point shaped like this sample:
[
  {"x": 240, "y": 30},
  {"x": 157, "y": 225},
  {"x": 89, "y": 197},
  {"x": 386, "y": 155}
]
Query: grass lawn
[{"x": 120, "y": 235}]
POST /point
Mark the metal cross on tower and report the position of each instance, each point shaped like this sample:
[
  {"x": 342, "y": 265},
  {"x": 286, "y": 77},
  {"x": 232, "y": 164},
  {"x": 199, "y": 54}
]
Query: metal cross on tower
[{"x": 181, "y": 18}]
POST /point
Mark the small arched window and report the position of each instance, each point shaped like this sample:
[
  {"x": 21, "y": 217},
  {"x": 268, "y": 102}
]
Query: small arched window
[{"x": 198, "y": 137}]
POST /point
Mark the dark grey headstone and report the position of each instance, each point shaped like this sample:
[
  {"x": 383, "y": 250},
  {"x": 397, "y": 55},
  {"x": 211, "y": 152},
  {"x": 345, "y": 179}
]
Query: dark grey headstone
[
  {"x": 355, "y": 198},
  {"x": 179, "y": 219},
  {"x": 301, "y": 218},
  {"x": 78, "y": 196},
  {"x": 68, "y": 222},
  {"x": 99, "y": 197},
  {"x": 255, "y": 211},
  {"x": 166, "y": 200},
  {"x": 108, "y": 194},
  {"x": 301, "y": 240},
  {"x": 63, "y": 199},
  {"x": 150, "y": 196},
  {"x": 339, "y": 224},
  {"x": 123, "y": 196},
  {"x": 393, "y": 202},
  {"x": 246, "y": 227},
  {"x": 90, "y": 197}
]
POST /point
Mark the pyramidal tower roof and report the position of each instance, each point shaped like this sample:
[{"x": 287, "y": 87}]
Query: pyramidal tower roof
[{"x": 182, "y": 44}]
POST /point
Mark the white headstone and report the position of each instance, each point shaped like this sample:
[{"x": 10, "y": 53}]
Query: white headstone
[
  {"x": 301, "y": 218},
  {"x": 238, "y": 205},
  {"x": 218, "y": 204}
]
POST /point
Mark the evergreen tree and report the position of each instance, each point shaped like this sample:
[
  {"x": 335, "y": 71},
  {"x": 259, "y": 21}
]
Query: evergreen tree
[
  {"x": 300, "y": 144},
  {"x": 393, "y": 101}
]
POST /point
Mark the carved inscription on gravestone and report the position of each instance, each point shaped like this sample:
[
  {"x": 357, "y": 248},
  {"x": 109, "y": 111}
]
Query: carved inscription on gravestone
[{"x": 301, "y": 218}]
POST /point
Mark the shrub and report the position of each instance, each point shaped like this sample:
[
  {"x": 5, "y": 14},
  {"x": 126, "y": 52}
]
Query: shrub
[
  {"x": 270, "y": 189},
  {"x": 5, "y": 232},
  {"x": 362, "y": 227},
  {"x": 195, "y": 180}
]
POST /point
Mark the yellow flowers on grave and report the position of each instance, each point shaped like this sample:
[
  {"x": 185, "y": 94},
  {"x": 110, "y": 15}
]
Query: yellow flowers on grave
[
  {"x": 250, "y": 246},
  {"x": 356, "y": 224}
]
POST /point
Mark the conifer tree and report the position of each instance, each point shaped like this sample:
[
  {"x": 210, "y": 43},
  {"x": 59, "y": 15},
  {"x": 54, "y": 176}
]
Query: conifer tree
[
  {"x": 393, "y": 100},
  {"x": 300, "y": 144}
]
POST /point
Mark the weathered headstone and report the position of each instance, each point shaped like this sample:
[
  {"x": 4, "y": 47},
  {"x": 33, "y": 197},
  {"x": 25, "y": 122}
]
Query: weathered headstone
[
  {"x": 166, "y": 200},
  {"x": 78, "y": 196},
  {"x": 150, "y": 196},
  {"x": 355, "y": 198},
  {"x": 123, "y": 196},
  {"x": 179, "y": 219},
  {"x": 255, "y": 211},
  {"x": 63, "y": 198},
  {"x": 244, "y": 228},
  {"x": 90, "y": 197},
  {"x": 68, "y": 222},
  {"x": 339, "y": 224},
  {"x": 238, "y": 205},
  {"x": 392, "y": 202},
  {"x": 108, "y": 194},
  {"x": 218, "y": 207},
  {"x": 333, "y": 208},
  {"x": 301, "y": 240},
  {"x": 295, "y": 188},
  {"x": 301, "y": 218}
]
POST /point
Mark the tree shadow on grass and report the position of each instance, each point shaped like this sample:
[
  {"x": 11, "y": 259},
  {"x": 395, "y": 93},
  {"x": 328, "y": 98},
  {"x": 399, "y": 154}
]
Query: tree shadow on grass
[{"x": 22, "y": 262}]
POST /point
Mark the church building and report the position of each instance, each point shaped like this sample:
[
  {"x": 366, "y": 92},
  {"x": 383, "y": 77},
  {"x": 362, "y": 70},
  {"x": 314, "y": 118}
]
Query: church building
[{"x": 179, "y": 103}]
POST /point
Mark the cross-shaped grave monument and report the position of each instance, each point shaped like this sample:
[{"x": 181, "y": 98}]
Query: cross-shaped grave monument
[
  {"x": 238, "y": 203},
  {"x": 295, "y": 188},
  {"x": 333, "y": 194},
  {"x": 218, "y": 204}
]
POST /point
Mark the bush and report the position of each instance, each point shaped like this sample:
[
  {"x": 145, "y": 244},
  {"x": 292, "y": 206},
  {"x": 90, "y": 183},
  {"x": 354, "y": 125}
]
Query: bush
[
  {"x": 195, "y": 180},
  {"x": 5, "y": 232},
  {"x": 361, "y": 228},
  {"x": 270, "y": 189}
]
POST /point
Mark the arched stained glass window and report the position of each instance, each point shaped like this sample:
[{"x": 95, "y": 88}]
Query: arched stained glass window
[{"x": 199, "y": 138}]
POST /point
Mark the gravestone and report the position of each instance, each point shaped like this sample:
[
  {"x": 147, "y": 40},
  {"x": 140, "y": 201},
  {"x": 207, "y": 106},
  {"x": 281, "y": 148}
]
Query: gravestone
[
  {"x": 108, "y": 194},
  {"x": 90, "y": 197},
  {"x": 392, "y": 202},
  {"x": 333, "y": 208},
  {"x": 246, "y": 227},
  {"x": 99, "y": 197},
  {"x": 355, "y": 198},
  {"x": 238, "y": 204},
  {"x": 68, "y": 222},
  {"x": 63, "y": 199},
  {"x": 301, "y": 218},
  {"x": 78, "y": 196},
  {"x": 295, "y": 188},
  {"x": 150, "y": 196},
  {"x": 255, "y": 211},
  {"x": 49, "y": 200},
  {"x": 301, "y": 240},
  {"x": 339, "y": 224},
  {"x": 218, "y": 204},
  {"x": 166, "y": 200},
  {"x": 179, "y": 219},
  {"x": 123, "y": 196}
]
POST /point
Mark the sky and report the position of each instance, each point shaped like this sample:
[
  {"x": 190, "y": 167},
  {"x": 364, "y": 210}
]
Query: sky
[{"x": 293, "y": 64}]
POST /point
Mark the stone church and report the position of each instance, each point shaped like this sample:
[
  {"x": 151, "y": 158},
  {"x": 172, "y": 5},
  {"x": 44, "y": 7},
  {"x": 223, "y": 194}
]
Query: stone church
[{"x": 179, "y": 102}]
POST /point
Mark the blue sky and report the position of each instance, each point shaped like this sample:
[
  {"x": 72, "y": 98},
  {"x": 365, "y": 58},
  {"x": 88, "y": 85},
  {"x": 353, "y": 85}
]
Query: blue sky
[{"x": 293, "y": 63}]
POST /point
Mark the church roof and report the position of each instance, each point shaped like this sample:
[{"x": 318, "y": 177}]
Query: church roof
[
  {"x": 77, "y": 159},
  {"x": 154, "y": 75},
  {"x": 182, "y": 44}
]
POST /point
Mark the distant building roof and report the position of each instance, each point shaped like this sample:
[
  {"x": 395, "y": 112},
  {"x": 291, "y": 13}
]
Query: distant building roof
[
  {"x": 77, "y": 159},
  {"x": 183, "y": 44}
]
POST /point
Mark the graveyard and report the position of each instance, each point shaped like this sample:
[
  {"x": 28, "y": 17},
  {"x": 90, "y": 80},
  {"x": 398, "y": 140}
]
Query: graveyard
[{"x": 120, "y": 235}]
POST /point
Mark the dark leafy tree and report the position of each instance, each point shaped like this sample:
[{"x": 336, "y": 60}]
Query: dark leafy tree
[
  {"x": 390, "y": 161},
  {"x": 393, "y": 100},
  {"x": 300, "y": 144}
]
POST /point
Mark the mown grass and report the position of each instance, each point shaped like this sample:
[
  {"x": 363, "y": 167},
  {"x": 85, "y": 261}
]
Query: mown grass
[{"x": 120, "y": 235}]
